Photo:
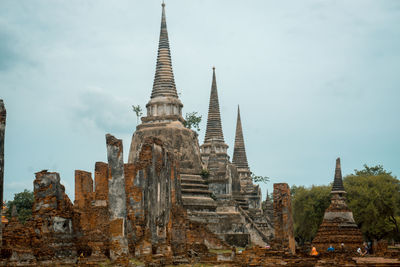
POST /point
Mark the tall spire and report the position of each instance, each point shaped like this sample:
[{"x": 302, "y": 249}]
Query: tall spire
[
  {"x": 239, "y": 150},
  {"x": 214, "y": 126},
  {"x": 164, "y": 82},
  {"x": 338, "y": 182}
]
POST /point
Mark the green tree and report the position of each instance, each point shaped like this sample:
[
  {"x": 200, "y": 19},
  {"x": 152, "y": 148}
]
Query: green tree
[
  {"x": 259, "y": 179},
  {"x": 23, "y": 201},
  {"x": 192, "y": 120},
  {"x": 138, "y": 111},
  {"x": 308, "y": 205},
  {"x": 373, "y": 195}
]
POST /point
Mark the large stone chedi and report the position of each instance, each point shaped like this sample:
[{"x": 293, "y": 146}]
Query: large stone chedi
[
  {"x": 338, "y": 225},
  {"x": 223, "y": 178},
  {"x": 250, "y": 192},
  {"x": 164, "y": 121}
]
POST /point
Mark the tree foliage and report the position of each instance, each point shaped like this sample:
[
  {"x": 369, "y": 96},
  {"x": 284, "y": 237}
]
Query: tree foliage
[
  {"x": 138, "y": 111},
  {"x": 23, "y": 201},
  {"x": 259, "y": 179},
  {"x": 308, "y": 205},
  {"x": 192, "y": 120},
  {"x": 374, "y": 197}
]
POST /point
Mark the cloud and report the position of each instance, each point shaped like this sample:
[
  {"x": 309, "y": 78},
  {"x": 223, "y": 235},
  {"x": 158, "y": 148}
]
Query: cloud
[
  {"x": 107, "y": 112},
  {"x": 9, "y": 56}
]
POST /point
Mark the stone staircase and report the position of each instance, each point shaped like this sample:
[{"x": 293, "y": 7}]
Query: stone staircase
[
  {"x": 241, "y": 202},
  {"x": 195, "y": 193}
]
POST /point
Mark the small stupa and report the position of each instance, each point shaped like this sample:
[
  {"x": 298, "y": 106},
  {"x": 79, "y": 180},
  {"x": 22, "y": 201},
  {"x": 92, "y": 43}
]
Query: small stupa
[{"x": 338, "y": 227}]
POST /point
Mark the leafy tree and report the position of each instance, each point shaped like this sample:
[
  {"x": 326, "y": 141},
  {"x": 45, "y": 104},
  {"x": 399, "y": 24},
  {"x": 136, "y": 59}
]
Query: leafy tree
[
  {"x": 373, "y": 195},
  {"x": 23, "y": 201},
  {"x": 192, "y": 120},
  {"x": 259, "y": 179},
  {"x": 308, "y": 205},
  {"x": 138, "y": 111}
]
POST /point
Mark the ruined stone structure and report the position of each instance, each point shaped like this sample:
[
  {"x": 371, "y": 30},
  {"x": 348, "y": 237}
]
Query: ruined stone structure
[
  {"x": 164, "y": 121},
  {"x": 283, "y": 221},
  {"x": 134, "y": 209},
  {"x": 338, "y": 225},
  {"x": 223, "y": 178},
  {"x": 2, "y": 132},
  {"x": 268, "y": 209},
  {"x": 207, "y": 198},
  {"x": 249, "y": 192}
]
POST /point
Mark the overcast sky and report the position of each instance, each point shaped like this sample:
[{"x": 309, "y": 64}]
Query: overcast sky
[{"x": 315, "y": 80}]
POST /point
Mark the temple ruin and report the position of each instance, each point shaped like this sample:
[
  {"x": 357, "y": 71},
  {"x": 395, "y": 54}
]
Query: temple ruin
[
  {"x": 338, "y": 226},
  {"x": 173, "y": 202}
]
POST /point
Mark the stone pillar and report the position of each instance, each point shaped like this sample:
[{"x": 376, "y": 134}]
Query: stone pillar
[
  {"x": 283, "y": 222},
  {"x": 117, "y": 200},
  {"x": 2, "y": 132}
]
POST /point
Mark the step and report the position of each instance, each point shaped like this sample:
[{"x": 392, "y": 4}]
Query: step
[
  {"x": 199, "y": 203},
  {"x": 192, "y": 181},
  {"x": 196, "y": 191},
  {"x": 194, "y": 186}
]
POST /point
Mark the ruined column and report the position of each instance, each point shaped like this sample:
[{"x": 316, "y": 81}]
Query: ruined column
[
  {"x": 117, "y": 200},
  {"x": 83, "y": 187},
  {"x": 2, "y": 132},
  {"x": 283, "y": 222}
]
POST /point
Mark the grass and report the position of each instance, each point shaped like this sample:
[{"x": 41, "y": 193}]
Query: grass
[
  {"x": 220, "y": 251},
  {"x": 137, "y": 262},
  {"x": 107, "y": 263}
]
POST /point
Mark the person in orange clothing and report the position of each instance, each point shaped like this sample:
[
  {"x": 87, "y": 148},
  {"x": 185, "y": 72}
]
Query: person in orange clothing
[{"x": 314, "y": 251}]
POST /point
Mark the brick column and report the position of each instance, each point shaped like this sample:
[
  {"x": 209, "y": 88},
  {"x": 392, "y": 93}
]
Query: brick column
[
  {"x": 2, "y": 132},
  {"x": 283, "y": 222}
]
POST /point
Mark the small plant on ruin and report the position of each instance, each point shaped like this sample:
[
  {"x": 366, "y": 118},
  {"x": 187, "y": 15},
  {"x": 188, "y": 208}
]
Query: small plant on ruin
[
  {"x": 205, "y": 173},
  {"x": 192, "y": 120},
  {"x": 259, "y": 179},
  {"x": 138, "y": 111}
]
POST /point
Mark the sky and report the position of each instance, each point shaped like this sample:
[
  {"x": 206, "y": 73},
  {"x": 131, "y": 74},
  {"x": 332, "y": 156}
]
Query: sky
[{"x": 315, "y": 80}]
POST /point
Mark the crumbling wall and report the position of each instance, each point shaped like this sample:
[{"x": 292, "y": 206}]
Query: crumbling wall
[
  {"x": 54, "y": 218},
  {"x": 117, "y": 200},
  {"x": 153, "y": 189},
  {"x": 283, "y": 222},
  {"x": 92, "y": 207},
  {"x": 2, "y": 132}
]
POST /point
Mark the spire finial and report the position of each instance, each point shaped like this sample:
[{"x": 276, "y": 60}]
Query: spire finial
[
  {"x": 239, "y": 151},
  {"x": 164, "y": 82},
  {"x": 214, "y": 125},
  {"x": 338, "y": 182}
]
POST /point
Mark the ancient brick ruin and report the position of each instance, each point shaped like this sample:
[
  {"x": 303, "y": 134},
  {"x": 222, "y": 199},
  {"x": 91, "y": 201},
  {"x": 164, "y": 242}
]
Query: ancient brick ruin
[
  {"x": 3, "y": 115},
  {"x": 283, "y": 222},
  {"x": 338, "y": 226},
  {"x": 173, "y": 202}
]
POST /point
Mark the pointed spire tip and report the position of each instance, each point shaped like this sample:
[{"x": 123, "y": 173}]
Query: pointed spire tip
[{"x": 338, "y": 162}]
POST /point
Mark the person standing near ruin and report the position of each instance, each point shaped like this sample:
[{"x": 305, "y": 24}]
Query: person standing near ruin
[
  {"x": 330, "y": 249},
  {"x": 314, "y": 251}
]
